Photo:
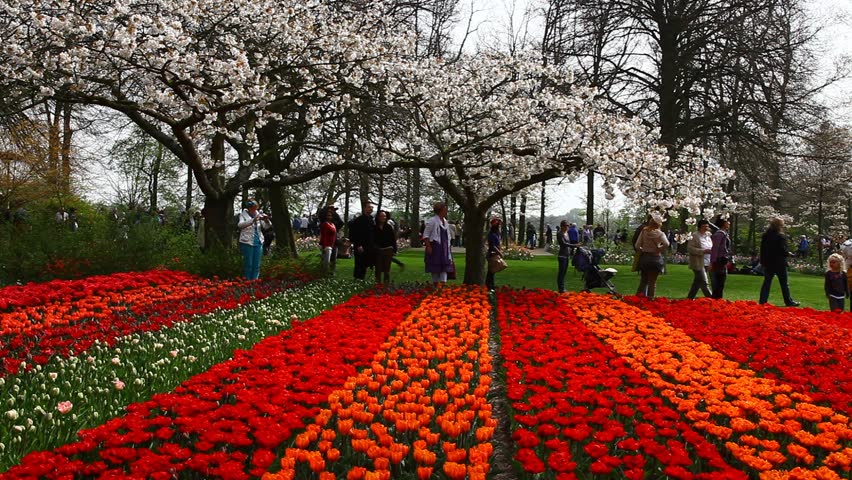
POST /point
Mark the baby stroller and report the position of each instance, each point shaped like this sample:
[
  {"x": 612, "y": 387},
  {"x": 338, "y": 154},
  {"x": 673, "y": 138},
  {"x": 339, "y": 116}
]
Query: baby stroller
[{"x": 586, "y": 261}]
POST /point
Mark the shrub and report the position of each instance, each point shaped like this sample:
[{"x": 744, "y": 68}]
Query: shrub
[{"x": 514, "y": 252}]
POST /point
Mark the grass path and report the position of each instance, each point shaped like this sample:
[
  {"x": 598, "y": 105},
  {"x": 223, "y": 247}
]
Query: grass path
[{"x": 541, "y": 273}]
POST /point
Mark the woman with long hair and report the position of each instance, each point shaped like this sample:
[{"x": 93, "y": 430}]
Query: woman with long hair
[
  {"x": 651, "y": 244},
  {"x": 251, "y": 224},
  {"x": 384, "y": 244}
]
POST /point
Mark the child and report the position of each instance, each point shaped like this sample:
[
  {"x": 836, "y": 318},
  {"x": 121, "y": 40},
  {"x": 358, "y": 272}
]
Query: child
[
  {"x": 328, "y": 238},
  {"x": 836, "y": 286}
]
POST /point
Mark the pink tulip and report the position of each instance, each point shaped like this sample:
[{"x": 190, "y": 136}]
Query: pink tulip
[{"x": 64, "y": 407}]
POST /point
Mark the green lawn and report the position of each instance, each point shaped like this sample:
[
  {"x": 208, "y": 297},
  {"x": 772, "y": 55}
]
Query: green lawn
[{"x": 541, "y": 273}]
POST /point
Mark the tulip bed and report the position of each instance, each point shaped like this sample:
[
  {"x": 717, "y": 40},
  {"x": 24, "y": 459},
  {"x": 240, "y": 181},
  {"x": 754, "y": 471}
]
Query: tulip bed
[
  {"x": 448, "y": 384},
  {"x": 76, "y": 314},
  {"x": 805, "y": 348},
  {"x": 107, "y": 378}
]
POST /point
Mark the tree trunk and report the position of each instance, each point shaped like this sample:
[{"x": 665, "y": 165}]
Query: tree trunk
[
  {"x": 513, "y": 204},
  {"x": 505, "y": 232},
  {"x": 153, "y": 185},
  {"x": 820, "y": 230},
  {"x": 329, "y": 193},
  {"x": 188, "y": 188},
  {"x": 590, "y": 198},
  {"x": 363, "y": 189},
  {"x": 415, "y": 209},
  {"x": 541, "y": 217},
  {"x": 219, "y": 227},
  {"x": 53, "y": 142},
  {"x": 408, "y": 197},
  {"x": 668, "y": 71},
  {"x": 381, "y": 188},
  {"x": 346, "y": 197},
  {"x": 735, "y": 233},
  {"x": 474, "y": 253},
  {"x": 67, "y": 132},
  {"x": 284, "y": 240},
  {"x": 752, "y": 226},
  {"x": 522, "y": 222}
]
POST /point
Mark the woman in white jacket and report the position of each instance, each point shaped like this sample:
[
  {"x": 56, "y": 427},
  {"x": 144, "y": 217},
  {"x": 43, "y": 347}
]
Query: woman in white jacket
[
  {"x": 699, "y": 259},
  {"x": 251, "y": 224}
]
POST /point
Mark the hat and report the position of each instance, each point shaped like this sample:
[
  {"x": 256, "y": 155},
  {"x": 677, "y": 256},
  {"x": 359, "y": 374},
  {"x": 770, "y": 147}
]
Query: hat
[
  {"x": 496, "y": 221},
  {"x": 251, "y": 203}
]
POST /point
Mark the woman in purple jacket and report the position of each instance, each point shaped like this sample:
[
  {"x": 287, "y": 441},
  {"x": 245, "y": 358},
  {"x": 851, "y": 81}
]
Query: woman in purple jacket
[{"x": 720, "y": 255}]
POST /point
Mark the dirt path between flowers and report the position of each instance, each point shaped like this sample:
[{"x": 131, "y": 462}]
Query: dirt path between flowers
[{"x": 501, "y": 461}]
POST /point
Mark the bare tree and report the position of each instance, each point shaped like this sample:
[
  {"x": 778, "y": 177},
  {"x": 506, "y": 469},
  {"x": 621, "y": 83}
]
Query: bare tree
[{"x": 822, "y": 180}]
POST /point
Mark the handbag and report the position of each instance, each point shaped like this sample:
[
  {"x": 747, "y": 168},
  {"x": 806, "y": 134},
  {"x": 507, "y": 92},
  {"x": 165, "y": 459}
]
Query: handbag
[
  {"x": 636, "y": 257},
  {"x": 451, "y": 271},
  {"x": 496, "y": 264},
  {"x": 344, "y": 248}
]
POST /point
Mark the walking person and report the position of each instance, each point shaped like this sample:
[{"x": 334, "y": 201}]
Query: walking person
[
  {"x": 573, "y": 238},
  {"x": 699, "y": 247},
  {"x": 436, "y": 239},
  {"x": 361, "y": 235},
  {"x": 846, "y": 251},
  {"x": 493, "y": 251},
  {"x": 836, "y": 283},
  {"x": 548, "y": 235},
  {"x": 773, "y": 258},
  {"x": 564, "y": 255},
  {"x": 268, "y": 235},
  {"x": 250, "y": 224},
  {"x": 396, "y": 231},
  {"x": 802, "y": 251},
  {"x": 652, "y": 242},
  {"x": 328, "y": 242},
  {"x": 530, "y": 236},
  {"x": 720, "y": 255},
  {"x": 587, "y": 234},
  {"x": 384, "y": 245}
]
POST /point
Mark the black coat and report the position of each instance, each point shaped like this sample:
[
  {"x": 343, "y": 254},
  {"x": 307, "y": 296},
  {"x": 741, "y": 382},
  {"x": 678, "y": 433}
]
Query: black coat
[
  {"x": 361, "y": 231},
  {"x": 773, "y": 251},
  {"x": 384, "y": 237}
]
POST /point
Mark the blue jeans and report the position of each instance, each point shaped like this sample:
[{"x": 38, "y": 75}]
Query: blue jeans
[
  {"x": 782, "y": 280},
  {"x": 251, "y": 260},
  {"x": 560, "y": 277}
]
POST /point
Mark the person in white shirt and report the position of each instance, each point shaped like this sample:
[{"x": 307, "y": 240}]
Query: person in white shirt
[
  {"x": 699, "y": 259},
  {"x": 251, "y": 225}
]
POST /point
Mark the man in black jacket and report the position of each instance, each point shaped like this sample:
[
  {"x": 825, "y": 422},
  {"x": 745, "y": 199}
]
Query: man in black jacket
[
  {"x": 361, "y": 234},
  {"x": 773, "y": 258}
]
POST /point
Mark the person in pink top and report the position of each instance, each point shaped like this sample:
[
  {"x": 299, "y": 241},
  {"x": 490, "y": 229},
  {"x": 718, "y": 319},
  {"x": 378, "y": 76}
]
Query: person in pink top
[
  {"x": 651, "y": 244},
  {"x": 327, "y": 240}
]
